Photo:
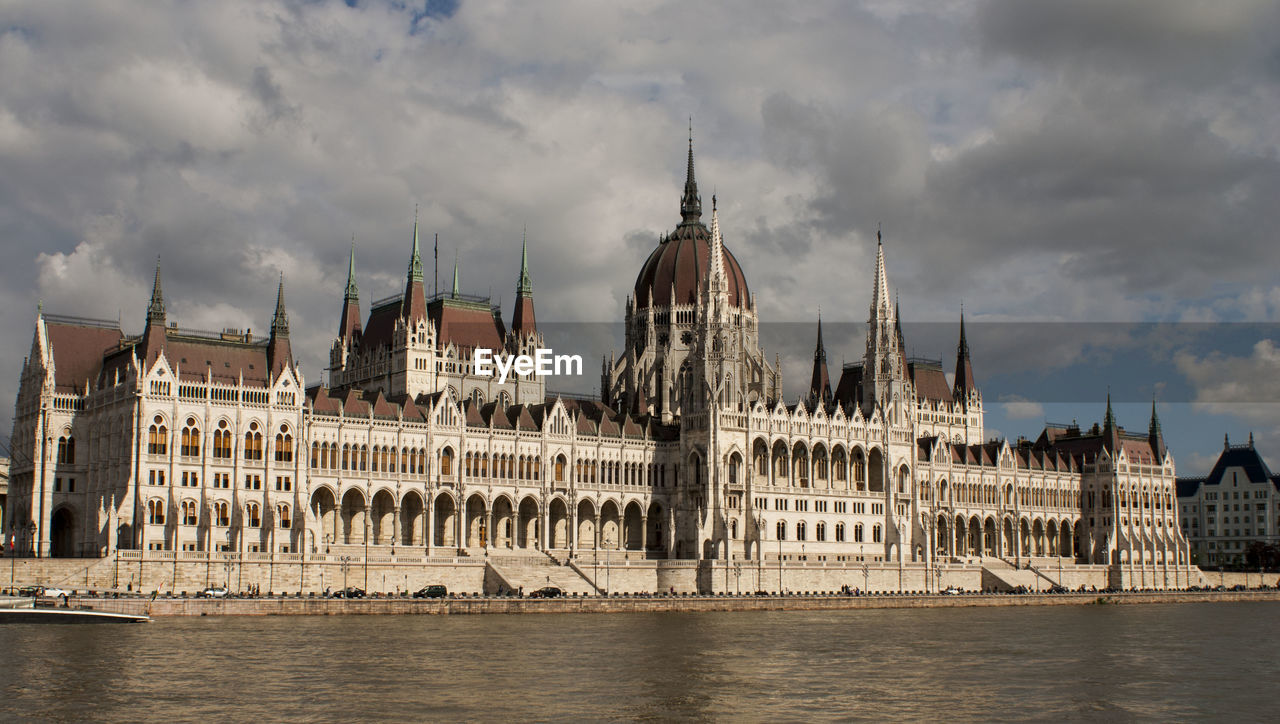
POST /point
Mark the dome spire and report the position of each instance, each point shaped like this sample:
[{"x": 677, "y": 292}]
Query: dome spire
[{"x": 691, "y": 203}]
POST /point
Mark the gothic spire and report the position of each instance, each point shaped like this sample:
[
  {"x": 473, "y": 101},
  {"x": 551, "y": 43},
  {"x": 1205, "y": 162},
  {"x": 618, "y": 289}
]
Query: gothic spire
[
  {"x": 691, "y": 203},
  {"x": 1155, "y": 436},
  {"x": 280, "y": 322},
  {"x": 455, "y": 275},
  {"x": 353, "y": 292},
  {"x": 1110, "y": 430},
  {"x": 715, "y": 265},
  {"x": 880, "y": 295},
  {"x": 1154, "y": 428},
  {"x": 155, "y": 310},
  {"x": 964, "y": 366},
  {"x": 820, "y": 382},
  {"x": 415, "y": 260},
  {"x": 525, "y": 288}
]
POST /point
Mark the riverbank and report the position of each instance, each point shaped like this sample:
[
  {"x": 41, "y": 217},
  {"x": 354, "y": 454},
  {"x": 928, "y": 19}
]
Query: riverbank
[{"x": 161, "y": 607}]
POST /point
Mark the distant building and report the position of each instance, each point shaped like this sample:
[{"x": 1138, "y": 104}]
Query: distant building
[
  {"x": 4, "y": 490},
  {"x": 1231, "y": 508}
]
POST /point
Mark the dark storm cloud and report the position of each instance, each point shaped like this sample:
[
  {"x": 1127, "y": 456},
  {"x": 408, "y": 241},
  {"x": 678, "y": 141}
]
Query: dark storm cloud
[{"x": 1083, "y": 161}]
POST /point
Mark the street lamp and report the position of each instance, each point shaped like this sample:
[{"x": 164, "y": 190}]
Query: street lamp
[
  {"x": 346, "y": 564},
  {"x": 866, "y": 579}
]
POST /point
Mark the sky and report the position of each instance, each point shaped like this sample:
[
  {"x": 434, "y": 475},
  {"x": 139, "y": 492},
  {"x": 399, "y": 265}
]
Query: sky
[{"x": 1095, "y": 182}]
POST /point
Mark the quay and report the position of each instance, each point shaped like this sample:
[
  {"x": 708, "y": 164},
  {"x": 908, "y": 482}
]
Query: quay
[{"x": 464, "y": 605}]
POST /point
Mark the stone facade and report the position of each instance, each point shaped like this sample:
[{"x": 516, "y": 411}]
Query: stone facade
[
  {"x": 211, "y": 443},
  {"x": 1232, "y": 508}
]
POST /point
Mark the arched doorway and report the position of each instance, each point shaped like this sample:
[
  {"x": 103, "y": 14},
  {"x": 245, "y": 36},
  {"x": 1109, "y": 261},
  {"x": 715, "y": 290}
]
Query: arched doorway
[
  {"x": 528, "y": 528},
  {"x": 477, "y": 525},
  {"x": 503, "y": 523},
  {"x": 875, "y": 470},
  {"x": 446, "y": 520},
  {"x": 610, "y": 526},
  {"x": 325, "y": 510},
  {"x": 411, "y": 520},
  {"x": 62, "y": 534},
  {"x": 559, "y": 533},
  {"x": 586, "y": 533},
  {"x": 353, "y": 517},
  {"x": 383, "y": 518},
  {"x": 632, "y": 528}
]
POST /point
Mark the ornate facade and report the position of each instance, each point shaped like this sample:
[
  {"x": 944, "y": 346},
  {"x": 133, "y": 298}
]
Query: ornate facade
[{"x": 191, "y": 441}]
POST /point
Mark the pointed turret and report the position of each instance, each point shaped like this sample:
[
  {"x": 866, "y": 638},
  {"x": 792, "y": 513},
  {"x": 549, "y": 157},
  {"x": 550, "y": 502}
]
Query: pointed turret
[
  {"x": 884, "y": 369},
  {"x": 820, "y": 382},
  {"x": 279, "y": 354},
  {"x": 964, "y": 367},
  {"x": 154, "y": 337},
  {"x": 349, "y": 324},
  {"x": 455, "y": 292},
  {"x": 690, "y": 203},
  {"x": 522, "y": 321},
  {"x": 1110, "y": 430},
  {"x": 880, "y": 293},
  {"x": 413, "y": 307},
  {"x": 715, "y": 262},
  {"x": 1155, "y": 435}
]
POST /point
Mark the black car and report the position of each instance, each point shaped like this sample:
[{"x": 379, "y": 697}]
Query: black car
[
  {"x": 547, "y": 592},
  {"x": 350, "y": 592},
  {"x": 432, "y": 591}
]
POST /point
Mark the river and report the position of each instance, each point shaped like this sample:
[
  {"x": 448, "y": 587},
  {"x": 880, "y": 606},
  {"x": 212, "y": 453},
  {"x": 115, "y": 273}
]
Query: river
[{"x": 1150, "y": 662}]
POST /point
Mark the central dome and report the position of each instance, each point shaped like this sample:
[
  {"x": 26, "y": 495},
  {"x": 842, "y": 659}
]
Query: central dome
[{"x": 679, "y": 264}]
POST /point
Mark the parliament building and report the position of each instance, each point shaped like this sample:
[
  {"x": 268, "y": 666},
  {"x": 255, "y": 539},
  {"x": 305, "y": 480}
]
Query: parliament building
[{"x": 182, "y": 445}]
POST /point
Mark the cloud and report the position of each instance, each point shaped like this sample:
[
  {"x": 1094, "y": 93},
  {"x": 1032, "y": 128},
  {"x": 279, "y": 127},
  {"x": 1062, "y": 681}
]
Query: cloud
[
  {"x": 1016, "y": 408},
  {"x": 1076, "y": 163}
]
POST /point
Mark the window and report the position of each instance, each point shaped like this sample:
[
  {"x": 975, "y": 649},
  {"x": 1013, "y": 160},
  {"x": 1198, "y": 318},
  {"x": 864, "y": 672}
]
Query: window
[
  {"x": 252, "y": 482},
  {"x": 253, "y": 516},
  {"x": 190, "y": 479},
  {"x": 839, "y": 532},
  {"x": 875, "y": 533},
  {"x": 282, "y": 515},
  {"x": 158, "y": 438},
  {"x": 284, "y": 445},
  {"x": 560, "y": 469},
  {"x": 189, "y": 516},
  {"x": 220, "y": 510},
  {"x": 283, "y": 482},
  {"x": 857, "y": 533},
  {"x": 156, "y": 477},
  {"x": 782, "y": 530},
  {"x": 222, "y": 441},
  {"x": 253, "y": 443},
  {"x": 155, "y": 512},
  {"x": 801, "y": 532},
  {"x": 66, "y": 450},
  {"x": 222, "y": 480},
  {"x": 820, "y": 532},
  {"x": 190, "y": 439}
]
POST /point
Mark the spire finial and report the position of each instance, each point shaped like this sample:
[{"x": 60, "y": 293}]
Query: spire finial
[
  {"x": 1110, "y": 420},
  {"x": 455, "y": 273},
  {"x": 525, "y": 287},
  {"x": 155, "y": 311},
  {"x": 353, "y": 292},
  {"x": 280, "y": 322},
  {"x": 690, "y": 204},
  {"x": 715, "y": 265},
  {"x": 415, "y": 259}
]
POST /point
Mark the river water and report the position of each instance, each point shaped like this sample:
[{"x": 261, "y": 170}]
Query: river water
[{"x": 1149, "y": 662}]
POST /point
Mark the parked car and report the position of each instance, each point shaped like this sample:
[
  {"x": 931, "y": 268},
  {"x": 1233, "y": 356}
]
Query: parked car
[
  {"x": 350, "y": 592},
  {"x": 29, "y": 591},
  {"x": 1055, "y": 588},
  {"x": 952, "y": 591},
  {"x": 547, "y": 592},
  {"x": 431, "y": 591},
  {"x": 55, "y": 592},
  {"x": 214, "y": 592}
]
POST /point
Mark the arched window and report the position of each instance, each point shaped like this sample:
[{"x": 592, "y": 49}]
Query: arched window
[
  {"x": 801, "y": 531},
  {"x": 477, "y": 397},
  {"x": 857, "y": 533},
  {"x": 839, "y": 532},
  {"x": 820, "y": 532},
  {"x": 364, "y": 458},
  {"x": 284, "y": 445},
  {"x": 253, "y": 443},
  {"x": 560, "y": 461},
  {"x": 316, "y": 460},
  {"x": 446, "y": 462},
  {"x": 222, "y": 513},
  {"x": 222, "y": 441},
  {"x": 189, "y": 516},
  {"x": 782, "y": 530},
  {"x": 66, "y": 450},
  {"x": 282, "y": 516},
  {"x": 155, "y": 512},
  {"x": 253, "y": 515},
  {"x": 346, "y": 456},
  {"x": 735, "y": 465},
  {"x": 190, "y": 439},
  {"x": 333, "y": 456},
  {"x": 158, "y": 438},
  {"x": 875, "y": 533},
  {"x": 859, "y": 470},
  {"x": 504, "y": 400},
  {"x": 903, "y": 476}
]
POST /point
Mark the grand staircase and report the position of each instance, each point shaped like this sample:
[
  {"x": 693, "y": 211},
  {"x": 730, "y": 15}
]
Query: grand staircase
[
  {"x": 532, "y": 572},
  {"x": 1001, "y": 575}
]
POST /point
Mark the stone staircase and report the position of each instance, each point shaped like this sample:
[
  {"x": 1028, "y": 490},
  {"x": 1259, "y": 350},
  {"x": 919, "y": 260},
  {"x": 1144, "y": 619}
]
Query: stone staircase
[
  {"x": 1000, "y": 575},
  {"x": 532, "y": 572}
]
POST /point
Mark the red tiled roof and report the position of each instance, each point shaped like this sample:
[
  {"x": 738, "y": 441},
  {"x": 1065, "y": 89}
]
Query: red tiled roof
[
  {"x": 226, "y": 361},
  {"x": 466, "y": 324},
  {"x": 930, "y": 382},
  {"x": 680, "y": 263}
]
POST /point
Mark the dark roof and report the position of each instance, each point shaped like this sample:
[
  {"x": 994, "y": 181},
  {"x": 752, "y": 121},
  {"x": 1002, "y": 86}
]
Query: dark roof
[
  {"x": 680, "y": 263},
  {"x": 929, "y": 380},
  {"x": 79, "y": 347},
  {"x": 466, "y": 324},
  {"x": 847, "y": 388},
  {"x": 1236, "y": 456}
]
